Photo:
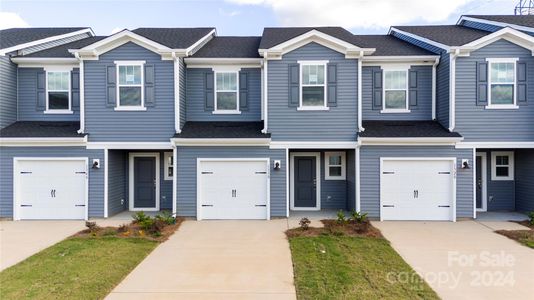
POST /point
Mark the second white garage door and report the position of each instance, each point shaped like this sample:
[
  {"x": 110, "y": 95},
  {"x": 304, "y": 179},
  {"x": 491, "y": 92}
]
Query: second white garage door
[
  {"x": 417, "y": 189},
  {"x": 233, "y": 189}
]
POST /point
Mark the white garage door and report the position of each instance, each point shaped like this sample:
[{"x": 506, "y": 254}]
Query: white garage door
[
  {"x": 50, "y": 189},
  {"x": 233, "y": 189},
  {"x": 417, "y": 189}
]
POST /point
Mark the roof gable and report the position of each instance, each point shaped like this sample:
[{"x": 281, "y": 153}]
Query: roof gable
[
  {"x": 519, "y": 22},
  {"x": 14, "y": 39}
]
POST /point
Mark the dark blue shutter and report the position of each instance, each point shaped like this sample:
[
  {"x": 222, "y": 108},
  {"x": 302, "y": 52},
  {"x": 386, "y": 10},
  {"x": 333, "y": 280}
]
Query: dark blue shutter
[
  {"x": 75, "y": 88},
  {"x": 377, "y": 88},
  {"x": 209, "y": 93},
  {"x": 482, "y": 83},
  {"x": 412, "y": 84},
  {"x": 293, "y": 85},
  {"x": 332, "y": 84},
  {"x": 522, "y": 82},
  {"x": 111, "y": 85},
  {"x": 150, "y": 96},
  {"x": 243, "y": 90},
  {"x": 41, "y": 91}
]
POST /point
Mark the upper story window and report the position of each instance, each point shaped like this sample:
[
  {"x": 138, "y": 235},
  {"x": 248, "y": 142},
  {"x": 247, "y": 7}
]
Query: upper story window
[
  {"x": 58, "y": 92},
  {"x": 226, "y": 92},
  {"x": 313, "y": 85},
  {"x": 395, "y": 91},
  {"x": 502, "y": 83},
  {"x": 130, "y": 92}
]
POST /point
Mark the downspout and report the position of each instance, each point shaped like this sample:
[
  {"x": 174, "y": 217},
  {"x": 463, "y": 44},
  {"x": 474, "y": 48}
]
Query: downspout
[
  {"x": 434, "y": 88},
  {"x": 360, "y": 121},
  {"x": 177, "y": 120},
  {"x": 82, "y": 94},
  {"x": 452, "y": 89},
  {"x": 265, "y": 94}
]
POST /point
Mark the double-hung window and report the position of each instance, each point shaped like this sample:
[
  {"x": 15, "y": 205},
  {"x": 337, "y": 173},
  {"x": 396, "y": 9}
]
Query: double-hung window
[
  {"x": 395, "y": 91},
  {"x": 502, "y": 91},
  {"x": 335, "y": 165},
  {"x": 313, "y": 85},
  {"x": 226, "y": 92},
  {"x": 58, "y": 92},
  {"x": 130, "y": 93},
  {"x": 169, "y": 165},
  {"x": 502, "y": 165}
]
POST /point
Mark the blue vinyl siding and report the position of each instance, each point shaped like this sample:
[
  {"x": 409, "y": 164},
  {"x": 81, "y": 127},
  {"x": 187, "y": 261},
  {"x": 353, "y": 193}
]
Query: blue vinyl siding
[
  {"x": 187, "y": 175},
  {"x": 476, "y": 123},
  {"x": 27, "y": 105},
  {"x": 500, "y": 193},
  {"x": 117, "y": 181},
  {"x": 351, "y": 180},
  {"x": 370, "y": 174},
  {"x": 417, "y": 42},
  {"x": 196, "y": 99},
  {"x": 103, "y": 123},
  {"x": 337, "y": 124},
  {"x": 96, "y": 176},
  {"x": 8, "y": 91},
  {"x": 442, "y": 89},
  {"x": 423, "y": 109},
  {"x": 524, "y": 180}
]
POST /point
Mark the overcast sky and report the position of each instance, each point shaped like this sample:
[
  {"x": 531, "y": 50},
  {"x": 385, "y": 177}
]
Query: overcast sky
[{"x": 242, "y": 17}]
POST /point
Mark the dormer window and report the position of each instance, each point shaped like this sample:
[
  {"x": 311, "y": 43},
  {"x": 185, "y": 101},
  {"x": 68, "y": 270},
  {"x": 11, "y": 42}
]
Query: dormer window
[
  {"x": 502, "y": 82},
  {"x": 130, "y": 94},
  {"x": 395, "y": 91},
  {"x": 313, "y": 85},
  {"x": 58, "y": 92}
]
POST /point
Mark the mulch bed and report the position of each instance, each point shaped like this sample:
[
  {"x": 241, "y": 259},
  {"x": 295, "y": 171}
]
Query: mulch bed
[
  {"x": 525, "y": 223},
  {"x": 333, "y": 227}
]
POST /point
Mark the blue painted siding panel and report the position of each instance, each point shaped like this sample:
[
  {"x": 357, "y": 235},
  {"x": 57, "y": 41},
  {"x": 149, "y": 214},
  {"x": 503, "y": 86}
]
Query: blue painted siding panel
[
  {"x": 340, "y": 123},
  {"x": 96, "y": 176},
  {"x": 501, "y": 194},
  {"x": 196, "y": 102},
  {"x": 8, "y": 91},
  {"x": 524, "y": 180},
  {"x": 417, "y": 42},
  {"x": 27, "y": 89},
  {"x": 187, "y": 175},
  {"x": 370, "y": 174},
  {"x": 117, "y": 181},
  {"x": 442, "y": 89},
  {"x": 476, "y": 123},
  {"x": 103, "y": 123},
  {"x": 423, "y": 110}
]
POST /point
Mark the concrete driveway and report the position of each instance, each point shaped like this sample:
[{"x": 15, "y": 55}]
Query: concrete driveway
[
  {"x": 216, "y": 260},
  {"x": 466, "y": 259}
]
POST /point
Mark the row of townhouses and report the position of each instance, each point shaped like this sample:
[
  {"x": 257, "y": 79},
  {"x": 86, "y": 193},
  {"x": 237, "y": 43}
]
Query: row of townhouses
[{"x": 423, "y": 123}]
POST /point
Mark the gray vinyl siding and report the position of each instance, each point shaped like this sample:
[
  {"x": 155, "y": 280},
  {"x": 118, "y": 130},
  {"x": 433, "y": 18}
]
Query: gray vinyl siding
[
  {"x": 96, "y": 176},
  {"x": 27, "y": 105},
  {"x": 500, "y": 193},
  {"x": 524, "y": 180},
  {"x": 117, "y": 181},
  {"x": 51, "y": 44},
  {"x": 183, "y": 88},
  {"x": 196, "y": 100},
  {"x": 442, "y": 89},
  {"x": 8, "y": 91},
  {"x": 476, "y": 123},
  {"x": 370, "y": 174},
  {"x": 337, "y": 124},
  {"x": 103, "y": 123},
  {"x": 423, "y": 109},
  {"x": 187, "y": 175}
]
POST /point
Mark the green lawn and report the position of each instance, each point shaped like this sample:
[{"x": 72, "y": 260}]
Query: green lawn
[
  {"x": 344, "y": 267},
  {"x": 76, "y": 268}
]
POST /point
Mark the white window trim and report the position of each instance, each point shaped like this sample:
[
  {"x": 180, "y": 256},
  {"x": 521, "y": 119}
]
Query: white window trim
[
  {"x": 327, "y": 166},
  {"x": 140, "y": 63},
  {"x": 494, "y": 155},
  {"x": 166, "y": 165},
  {"x": 395, "y": 110},
  {"x": 58, "y": 111},
  {"x": 217, "y": 111},
  {"x": 502, "y": 106},
  {"x": 301, "y": 85}
]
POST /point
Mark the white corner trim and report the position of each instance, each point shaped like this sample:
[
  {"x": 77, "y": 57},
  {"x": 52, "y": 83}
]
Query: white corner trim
[
  {"x": 358, "y": 193},
  {"x": 265, "y": 96},
  {"x": 174, "y": 179},
  {"x": 484, "y": 169},
  {"x": 452, "y": 89},
  {"x": 131, "y": 177},
  {"x": 287, "y": 182},
  {"x": 422, "y": 39},
  {"x": 360, "y": 94},
  {"x": 177, "y": 117},
  {"x": 47, "y": 142},
  {"x": 500, "y": 24},
  {"x": 82, "y": 94},
  {"x": 434, "y": 87},
  {"x": 220, "y": 142},
  {"x": 106, "y": 183}
]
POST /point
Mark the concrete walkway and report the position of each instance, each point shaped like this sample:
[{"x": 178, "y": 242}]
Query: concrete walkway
[
  {"x": 466, "y": 259},
  {"x": 216, "y": 260}
]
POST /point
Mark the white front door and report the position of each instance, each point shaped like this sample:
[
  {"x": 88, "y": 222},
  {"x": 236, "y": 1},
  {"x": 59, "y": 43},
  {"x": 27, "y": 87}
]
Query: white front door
[
  {"x": 417, "y": 189},
  {"x": 236, "y": 189},
  {"x": 50, "y": 189}
]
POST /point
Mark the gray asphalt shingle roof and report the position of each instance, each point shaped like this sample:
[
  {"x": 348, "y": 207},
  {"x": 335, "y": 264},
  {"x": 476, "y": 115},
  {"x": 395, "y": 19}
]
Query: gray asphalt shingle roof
[
  {"x": 273, "y": 36},
  {"x": 174, "y": 38},
  {"x": 222, "y": 130},
  {"x": 450, "y": 35},
  {"x": 16, "y": 36},
  {"x": 522, "y": 20},
  {"x": 62, "y": 50},
  {"x": 405, "y": 129},
  {"x": 387, "y": 45},
  {"x": 231, "y": 47},
  {"x": 41, "y": 129}
]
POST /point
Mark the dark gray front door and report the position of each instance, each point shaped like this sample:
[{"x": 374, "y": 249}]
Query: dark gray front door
[
  {"x": 479, "y": 181},
  {"x": 144, "y": 182},
  {"x": 305, "y": 182}
]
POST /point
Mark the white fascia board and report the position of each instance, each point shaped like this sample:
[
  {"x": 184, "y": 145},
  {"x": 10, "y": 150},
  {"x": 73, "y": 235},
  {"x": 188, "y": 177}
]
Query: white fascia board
[
  {"x": 46, "y": 40},
  {"x": 45, "y": 60},
  {"x": 220, "y": 142},
  {"x": 420, "y": 38},
  {"x": 43, "y": 142},
  {"x": 415, "y": 60},
  {"x": 501, "y": 24},
  {"x": 208, "y": 36},
  {"x": 510, "y": 34},
  {"x": 199, "y": 62},
  {"x": 313, "y": 145},
  {"x": 495, "y": 145},
  {"x": 130, "y": 145},
  {"x": 430, "y": 141}
]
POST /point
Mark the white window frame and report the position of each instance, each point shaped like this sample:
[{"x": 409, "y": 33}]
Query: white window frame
[
  {"x": 166, "y": 156},
  {"x": 140, "y": 63},
  {"x": 69, "y": 92},
  {"x": 216, "y": 91},
  {"x": 406, "y": 109},
  {"x": 302, "y": 63},
  {"x": 496, "y": 61},
  {"x": 510, "y": 165},
  {"x": 327, "y": 166}
]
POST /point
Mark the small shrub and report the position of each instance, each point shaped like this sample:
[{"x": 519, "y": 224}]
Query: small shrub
[
  {"x": 146, "y": 224},
  {"x": 358, "y": 217},
  {"x": 152, "y": 226},
  {"x": 166, "y": 217},
  {"x": 531, "y": 218},
  {"x": 140, "y": 217},
  {"x": 341, "y": 217},
  {"x": 92, "y": 226},
  {"x": 123, "y": 228},
  {"x": 304, "y": 223}
]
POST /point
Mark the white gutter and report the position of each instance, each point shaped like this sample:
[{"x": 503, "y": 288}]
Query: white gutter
[
  {"x": 176, "y": 93},
  {"x": 82, "y": 93},
  {"x": 360, "y": 114},
  {"x": 434, "y": 89},
  {"x": 265, "y": 94},
  {"x": 452, "y": 88},
  {"x": 40, "y": 142}
]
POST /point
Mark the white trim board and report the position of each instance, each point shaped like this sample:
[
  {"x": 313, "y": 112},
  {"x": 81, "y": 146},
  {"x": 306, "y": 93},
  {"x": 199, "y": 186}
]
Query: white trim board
[
  {"x": 495, "y": 23},
  {"x": 317, "y": 156},
  {"x": 495, "y": 145},
  {"x": 484, "y": 182},
  {"x": 220, "y": 142},
  {"x": 43, "y": 142},
  {"x": 131, "y": 166},
  {"x": 130, "y": 145},
  {"x": 312, "y": 145}
]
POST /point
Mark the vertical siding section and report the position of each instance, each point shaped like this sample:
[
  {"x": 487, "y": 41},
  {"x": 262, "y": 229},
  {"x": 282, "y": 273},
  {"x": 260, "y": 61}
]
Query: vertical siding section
[
  {"x": 117, "y": 181},
  {"x": 8, "y": 91},
  {"x": 500, "y": 193},
  {"x": 103, "y": 123},
  {"x": 524, "y": 180},
  {"x": 96, "y": 176},
  {"x": 442, "y": 89},
  {"x": 195, "y": 98},
  {"x": 337, "y": 124},
  {"x": 187, "y": 175},
  {"x": 476, "y": 123},
  {"x": 370, "y": 174}
]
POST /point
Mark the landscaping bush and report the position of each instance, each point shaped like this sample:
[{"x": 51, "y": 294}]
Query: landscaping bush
[
  {"x": 140, "y": 217},
  {"x": 358, "y": 217},
  {"x": 531, "y": 218},
  {"x": 92, "y": 226},
  {"x": 166, "y": 216},
  {"x": 304, "y": 223},
  {"x": 341, "y": 217}
]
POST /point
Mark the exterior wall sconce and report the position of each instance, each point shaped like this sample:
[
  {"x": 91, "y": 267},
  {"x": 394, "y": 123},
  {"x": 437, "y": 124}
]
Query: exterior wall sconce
[
  {"x": 277, "y": 165},
  {"x": 465, "y": 164},
  {"x": 96, "y": 163}
]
